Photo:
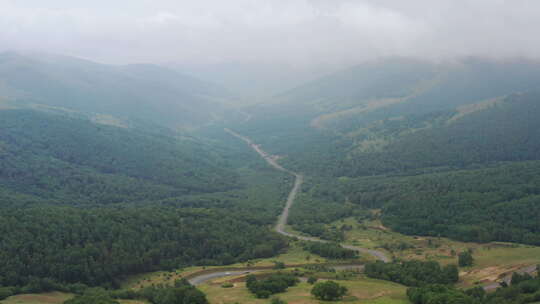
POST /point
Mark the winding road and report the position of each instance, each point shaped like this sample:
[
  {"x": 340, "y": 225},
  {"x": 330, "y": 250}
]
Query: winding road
[
  {"x": 299, "y": 179},
  {"x": 282, "y": 222}
]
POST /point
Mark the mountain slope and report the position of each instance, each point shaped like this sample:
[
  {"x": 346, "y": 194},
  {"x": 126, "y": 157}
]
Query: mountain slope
[
  {"x": 146, "y": 92},
  {"x": 506, "y": 131},
  {"x": 468, "y": 175},
  {"x": 328, "y": 123},
  {"x": 254, "y": 82},
  {"x": 422, "y": 87},
  {"x": 70, "y": 160},
  {"x": 85, "y": 202}
]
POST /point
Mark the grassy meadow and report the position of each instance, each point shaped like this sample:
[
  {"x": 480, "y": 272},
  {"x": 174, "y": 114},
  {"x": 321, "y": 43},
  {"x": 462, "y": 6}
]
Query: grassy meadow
[
  {"x": 361, "y": 290},
  {"x": 492, "y": 260}
]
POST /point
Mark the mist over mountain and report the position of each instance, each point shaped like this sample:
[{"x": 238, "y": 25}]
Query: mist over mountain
[
  {"x": 363, "y": 110},
  {"x": 251, "y": 151},
  {"x": 255, "y": 82},
  {"x": 137, "y": 91}
]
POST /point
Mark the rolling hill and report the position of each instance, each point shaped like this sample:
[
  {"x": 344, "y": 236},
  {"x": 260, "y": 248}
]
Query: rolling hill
[
  {"x": 437, "y": 149},
  {"x": 74, "y": 161},
  {"x": 131, "y": 92},
  {"x": 346, "y": 120}
]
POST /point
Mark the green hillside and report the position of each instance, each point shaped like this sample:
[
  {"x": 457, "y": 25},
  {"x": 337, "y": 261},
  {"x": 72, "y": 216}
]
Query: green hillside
[
  {"x": 60, "y": 158},
  {"x": 143, "y": 91},
  {"x": 506, "y": 131},
  {"x": 83, "y": 202},
  {"x": 496, "y": 203},
  {"x": 450, "y": 151},
  {"x": 363, "y": 117}
]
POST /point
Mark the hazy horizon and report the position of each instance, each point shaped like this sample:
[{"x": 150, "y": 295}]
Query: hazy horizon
[{"x": 306, "y": 34}]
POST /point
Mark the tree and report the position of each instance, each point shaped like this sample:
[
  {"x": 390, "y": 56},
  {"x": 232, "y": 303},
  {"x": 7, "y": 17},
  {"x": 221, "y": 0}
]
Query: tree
[
  {"x": 279, "y": 265},
  {"x": 477, "y": 292},
  {"x": 465, "y": 259},
  {"x": 312, "y": 280},
  {"x": 328, "y": 291},
  {"x": 451, "y": 273},
  {"x": 274, "y": 283},
  {"x": 277, "y": 301}
]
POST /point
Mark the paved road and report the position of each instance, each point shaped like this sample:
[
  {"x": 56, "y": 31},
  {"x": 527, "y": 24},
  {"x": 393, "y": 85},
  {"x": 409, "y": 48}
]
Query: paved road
[
  {"x": 220, "y": 274},
  {"x": 299, "y": 178},
  {"x": 282, "y": 221},
  {"x": 206, "y": 276}
]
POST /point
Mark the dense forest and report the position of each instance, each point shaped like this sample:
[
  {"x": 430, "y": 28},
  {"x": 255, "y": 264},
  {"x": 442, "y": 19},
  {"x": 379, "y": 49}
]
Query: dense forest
[
  {"x": 57, "y": 157},
  {"x": 83, "y": 202},
  {"x": 466, "y": 178},
  {"x": 330, "y": 250},
  {"x": 272, "y": 284},
  {"x": 413, "y": 273},
  {"x": 499, "y": 203},
  {"x": 402, "y": 116},
  {"x": 506, "y": 131},
  {"x": 97, "y": 246},
  {"x": 490, "y": 203},
  {"x": 414, "y": 143}
]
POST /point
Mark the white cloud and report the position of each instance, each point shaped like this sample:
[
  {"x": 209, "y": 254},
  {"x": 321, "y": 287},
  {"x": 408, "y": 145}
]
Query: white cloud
[{"x": 292, "y": 31}]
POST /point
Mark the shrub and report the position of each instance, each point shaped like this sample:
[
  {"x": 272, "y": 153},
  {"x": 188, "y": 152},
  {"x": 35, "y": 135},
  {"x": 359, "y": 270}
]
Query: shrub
[
  {"x": 328, "y": 291},
  {"x": 465, "y": 259},
  {"x": 275, "y": 283}
]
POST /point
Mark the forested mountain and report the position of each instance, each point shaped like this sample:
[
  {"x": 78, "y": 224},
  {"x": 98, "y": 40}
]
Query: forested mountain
[
  {"x": 84, "y": 202},
  {"x": 440, "y": 149},
  {"x": 254, "y": 82},
  {"x": 67, "y": 159},
  {"x": 346, "y": 123},
  {"x": 97, "y": 182},
  {"x": 505, "y": 131},
  {"x": 141, "y": 91},
  {"x": 470, "y": 177},
  {"x": 496, "y": 203},
  {"x": 100, "y": 245},
  {"x": 398, "y": 86}
]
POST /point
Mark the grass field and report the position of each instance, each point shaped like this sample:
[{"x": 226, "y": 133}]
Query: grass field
[
  {"x": 361, "y": 290},
  {"x": 46, "y": 298},
  {"x": 491, "y": 259},
  {"x": 51, "y": 298}
]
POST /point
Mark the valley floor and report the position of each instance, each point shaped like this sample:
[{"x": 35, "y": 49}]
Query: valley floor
[{"x": 493, "y": 261}]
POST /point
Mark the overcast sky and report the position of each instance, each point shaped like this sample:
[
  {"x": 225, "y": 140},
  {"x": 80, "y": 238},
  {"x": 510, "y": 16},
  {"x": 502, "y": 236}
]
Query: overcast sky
[{"x": 303, "y": 32}]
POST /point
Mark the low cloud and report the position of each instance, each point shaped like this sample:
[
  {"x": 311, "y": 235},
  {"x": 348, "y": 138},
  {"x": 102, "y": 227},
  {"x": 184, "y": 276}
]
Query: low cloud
[{"x": 301, "y": 32}]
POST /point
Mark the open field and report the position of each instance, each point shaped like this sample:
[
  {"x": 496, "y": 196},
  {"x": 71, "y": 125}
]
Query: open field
[
  {"x": 361, "y": 290},
  {"x": 51, "y": 298},
  {"x": 41, "y": 298},
  {"x": 492, "y": 260},
  {"x": 295, "y": 255}
]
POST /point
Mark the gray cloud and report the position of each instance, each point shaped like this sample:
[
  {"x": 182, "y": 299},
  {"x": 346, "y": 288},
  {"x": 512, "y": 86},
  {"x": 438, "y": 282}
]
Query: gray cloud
[{"x": 301, "y": 32}]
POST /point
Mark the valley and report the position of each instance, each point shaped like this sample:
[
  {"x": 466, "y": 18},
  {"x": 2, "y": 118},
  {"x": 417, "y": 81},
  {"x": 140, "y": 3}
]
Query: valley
[{"x": 379, "y": 185}]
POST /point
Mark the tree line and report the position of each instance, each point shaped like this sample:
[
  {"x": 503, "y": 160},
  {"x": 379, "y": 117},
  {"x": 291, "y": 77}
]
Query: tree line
[
  {"x": 413, "y": 273},
  {"x": 523, "y": 289},
  {"x": 98, "y": 246}
]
